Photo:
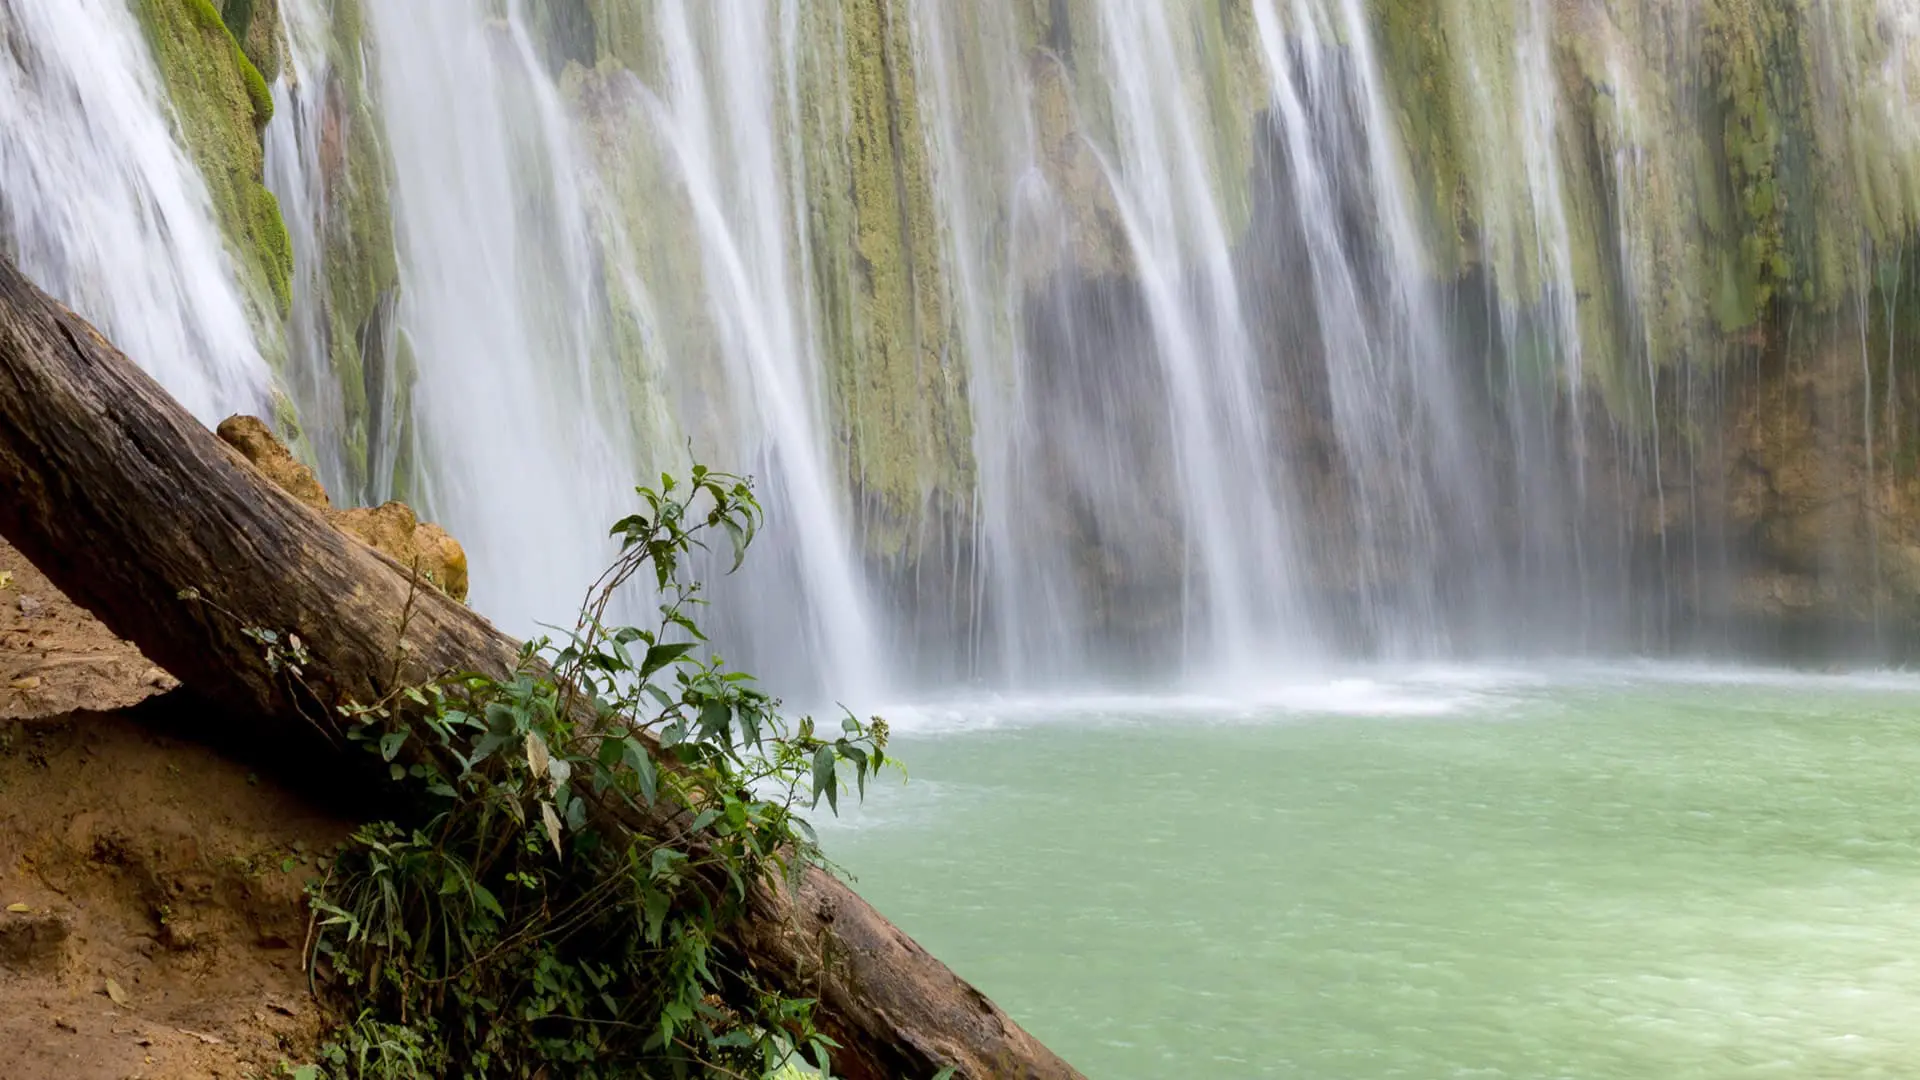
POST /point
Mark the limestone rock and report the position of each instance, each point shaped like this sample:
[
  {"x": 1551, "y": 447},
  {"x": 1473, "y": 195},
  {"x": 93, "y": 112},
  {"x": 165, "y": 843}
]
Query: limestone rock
[
  {"x": 395, "y": 529},
  {"x": 392, "y": 528},
  {"x": 256, "y": 442}
]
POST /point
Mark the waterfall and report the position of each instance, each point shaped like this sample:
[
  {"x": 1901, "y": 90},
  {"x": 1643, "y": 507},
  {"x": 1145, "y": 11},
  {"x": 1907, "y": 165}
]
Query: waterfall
[
  {"x": 294, "y": 174},
  {"x": 525, "y": 453},
  {"x": 1395, "y": 412},
  {"x": 1065, "y": 341},
  {"x": 1155, "y": 450},
  {"x": 100, "y": 205},
  {"x": 726, "y": 114},
  {"x": 1168, "y": 205},
  {"x": 542, "y": 332}
]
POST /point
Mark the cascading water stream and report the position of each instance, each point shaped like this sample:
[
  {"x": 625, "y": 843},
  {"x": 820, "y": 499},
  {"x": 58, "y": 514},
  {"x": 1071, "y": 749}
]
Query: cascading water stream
[
  {"x": 1022, "y": 617},
  {"x": 1234, "y": 532},
  {"x": 725, "y": 114},
  {"x": 1368, "y": 408},
  {"x": 100, "y": 205},
  {"x": 516, "y": 277},
  {"x": 1066, "y": 341},
  {"x": 525, "y": 453},
  {"x": 294, "y": 174}
]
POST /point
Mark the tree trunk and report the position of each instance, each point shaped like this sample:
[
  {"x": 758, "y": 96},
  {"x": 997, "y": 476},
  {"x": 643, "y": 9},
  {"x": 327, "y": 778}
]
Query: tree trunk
[{"x": 126, "y": 502}]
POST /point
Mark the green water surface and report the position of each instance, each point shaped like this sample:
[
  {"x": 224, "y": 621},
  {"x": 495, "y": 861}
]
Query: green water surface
[{"x": 1633, "y": 873}]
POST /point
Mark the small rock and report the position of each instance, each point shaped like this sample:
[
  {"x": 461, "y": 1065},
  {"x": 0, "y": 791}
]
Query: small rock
[
  {"x": 32, "y": 943},
  {"x": 65, "y": 1024},
  {"x": 30, "y": 606},
  {"x": 257, "y": 443}
]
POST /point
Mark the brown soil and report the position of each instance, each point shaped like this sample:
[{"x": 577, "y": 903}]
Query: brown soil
[
  {"x": 131, "y": 855},
  {"x": 55, "y": 658}
]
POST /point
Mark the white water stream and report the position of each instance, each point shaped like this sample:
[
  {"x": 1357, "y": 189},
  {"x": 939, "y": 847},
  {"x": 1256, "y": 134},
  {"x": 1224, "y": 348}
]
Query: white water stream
[
  {"x": 1221, "y": 414},
  {"x": 100, "y": 205}
]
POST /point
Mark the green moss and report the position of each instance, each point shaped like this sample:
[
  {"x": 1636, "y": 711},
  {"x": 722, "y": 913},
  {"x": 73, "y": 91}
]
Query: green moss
[
  {"x": 1746, "y": 46},
  {"x": 286, "y": 419},
  {"x": 1236, "y": 91},
  {"x": 217, "y": 96},
  {"x": 647, "y": 230},
  {"x": 1414, "y": 53},
  {"x": 404, "y": 449},
  {"x": 204, "y": 14},
  {"x": 901, "y": 394},
  {"x": 359, "y": 265},
  {"x": 269, "y": 231},
  {"x": 258, "y": 94},
  {"x": 238, "y": 15},
  {"x": 624, "y": 32}
]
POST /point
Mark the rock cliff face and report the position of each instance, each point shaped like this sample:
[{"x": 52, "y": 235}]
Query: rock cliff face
[
  {"x": 1659, "y": 253},
  {"x": 221, "y": 104}
]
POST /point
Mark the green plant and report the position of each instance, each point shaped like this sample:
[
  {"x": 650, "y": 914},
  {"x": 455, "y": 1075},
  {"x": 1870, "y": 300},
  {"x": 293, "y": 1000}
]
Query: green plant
[{"x": 589, "y": 828}]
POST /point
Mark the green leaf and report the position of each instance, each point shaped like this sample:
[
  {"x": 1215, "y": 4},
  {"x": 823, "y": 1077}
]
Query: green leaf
[
  {"x": 390, "y": 744},
  {"x": 641, "y": 763},
  {"x": 500, "y": 719},
  {"x": 486, "y": 746},
  {"x": 666, "y": 862},
  {"x": 824, "y": 778},
  {"x": 609, "y": 753},
  {"x": 660, "y": 656},
  {"x": 739, "y": 538},
  {"x": 654, "y": 907}
]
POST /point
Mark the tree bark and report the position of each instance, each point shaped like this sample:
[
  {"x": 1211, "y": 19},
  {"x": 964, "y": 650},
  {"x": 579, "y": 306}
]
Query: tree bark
[{"x": 126, "y": 502}]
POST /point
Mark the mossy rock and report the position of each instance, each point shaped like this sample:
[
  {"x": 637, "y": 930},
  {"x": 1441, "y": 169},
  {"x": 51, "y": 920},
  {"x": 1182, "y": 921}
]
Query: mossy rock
[
  {"x": 899, "y": 385},
  {"x": 221, "y": 103}
]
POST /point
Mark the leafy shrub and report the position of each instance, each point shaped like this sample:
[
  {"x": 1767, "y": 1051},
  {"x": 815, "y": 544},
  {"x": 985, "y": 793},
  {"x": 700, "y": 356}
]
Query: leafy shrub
[{"x": 588, "y": 830}]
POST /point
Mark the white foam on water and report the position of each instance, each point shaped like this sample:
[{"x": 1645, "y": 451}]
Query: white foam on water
[{"x": 1361, "y": 692}]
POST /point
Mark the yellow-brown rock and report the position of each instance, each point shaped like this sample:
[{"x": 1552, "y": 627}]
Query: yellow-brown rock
[
  {"x": 256, "y": 442},
  {"x": 391, "y": 528},
  {"x": 395, "y": 529}
]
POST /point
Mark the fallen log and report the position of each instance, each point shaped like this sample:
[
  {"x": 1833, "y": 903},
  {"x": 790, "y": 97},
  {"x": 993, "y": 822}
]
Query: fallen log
[{"x": 126, "y": 503}]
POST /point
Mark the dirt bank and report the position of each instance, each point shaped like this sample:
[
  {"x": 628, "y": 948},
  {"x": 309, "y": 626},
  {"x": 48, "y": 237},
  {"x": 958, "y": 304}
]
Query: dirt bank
[{"x": 151, "y": 915}]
